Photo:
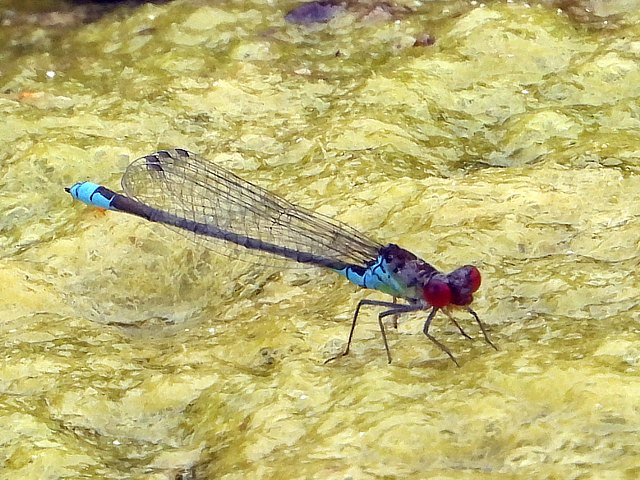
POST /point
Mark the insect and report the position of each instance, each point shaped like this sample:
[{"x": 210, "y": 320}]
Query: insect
[{"x": 211, "y": 205}]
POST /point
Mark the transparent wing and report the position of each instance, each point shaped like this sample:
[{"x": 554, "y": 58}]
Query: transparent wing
[{"x": 189, "y": 186}]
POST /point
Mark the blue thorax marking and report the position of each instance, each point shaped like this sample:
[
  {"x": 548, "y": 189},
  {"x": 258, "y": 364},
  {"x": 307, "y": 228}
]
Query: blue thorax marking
[
  {"x": 92, "y": 194},
  {"x": 376, "y": 276}
]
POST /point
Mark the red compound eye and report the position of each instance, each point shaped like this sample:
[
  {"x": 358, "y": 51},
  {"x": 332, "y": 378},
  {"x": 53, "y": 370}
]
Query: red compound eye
[
  {"x": 474, "y": 278},
  {"x": 437, "y": 293}
]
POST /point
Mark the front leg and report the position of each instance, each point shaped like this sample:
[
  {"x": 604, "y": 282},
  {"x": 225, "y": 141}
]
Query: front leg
[
  {"x": 484, "y": 332},
  {"x": 442, "y": 347},
  {"x": 454, "y": 321}
]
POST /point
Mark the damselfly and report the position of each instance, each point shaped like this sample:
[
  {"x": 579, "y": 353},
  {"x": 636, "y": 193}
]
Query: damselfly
[{"x": 211, "y": 205}]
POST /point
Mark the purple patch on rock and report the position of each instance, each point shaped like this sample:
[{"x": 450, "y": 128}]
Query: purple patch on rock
[{"x": 314, "y": 12}]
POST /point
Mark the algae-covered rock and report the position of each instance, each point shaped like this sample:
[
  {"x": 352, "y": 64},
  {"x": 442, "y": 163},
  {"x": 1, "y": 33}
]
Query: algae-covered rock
[{"x": 511, "y": 144}]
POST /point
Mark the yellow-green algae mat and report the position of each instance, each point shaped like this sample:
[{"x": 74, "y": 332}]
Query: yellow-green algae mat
[{"x": 511, "y": 143}]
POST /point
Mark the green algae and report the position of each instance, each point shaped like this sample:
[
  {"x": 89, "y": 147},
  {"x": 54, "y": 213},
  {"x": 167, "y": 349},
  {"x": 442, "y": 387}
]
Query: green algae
[{"x": 511, "y": 143}]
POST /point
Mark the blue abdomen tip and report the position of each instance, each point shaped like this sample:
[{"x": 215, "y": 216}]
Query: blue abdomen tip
[{"x": 90, "y": 193}]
